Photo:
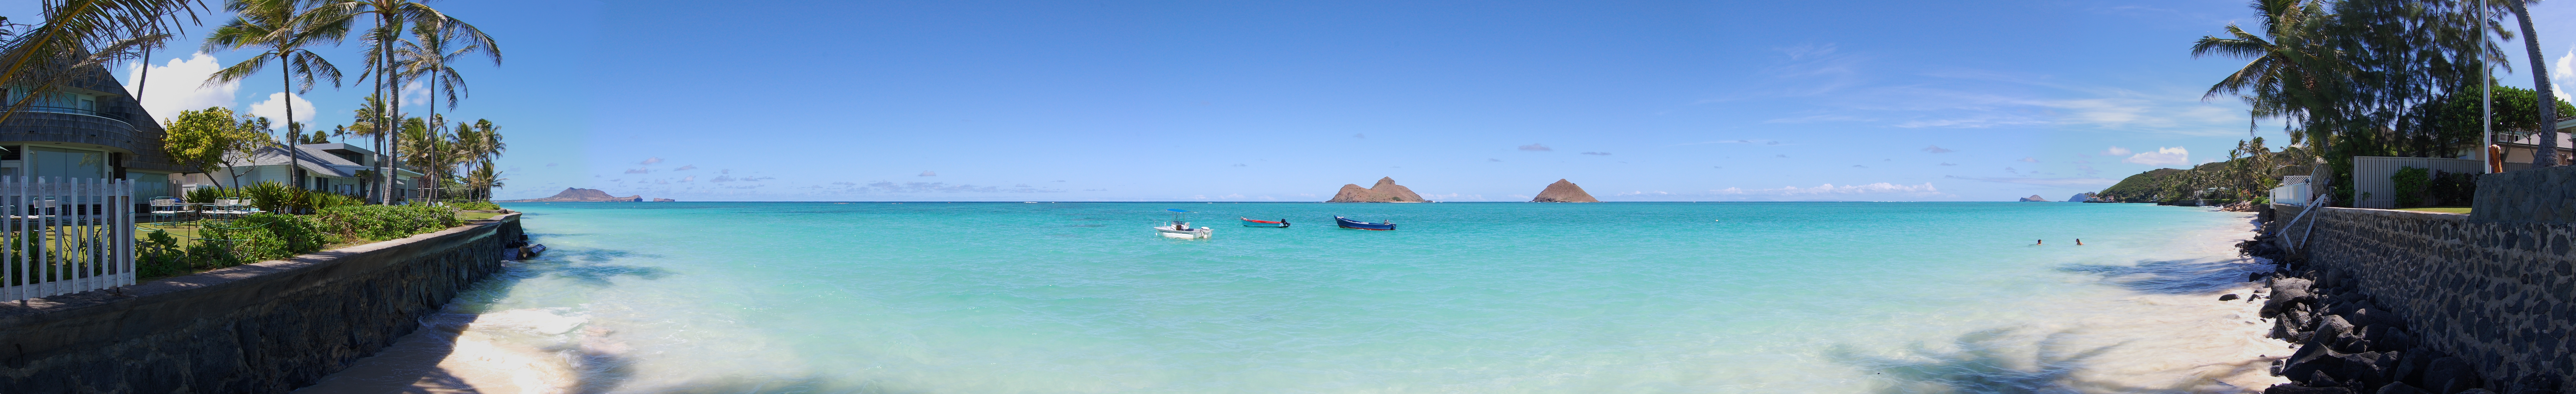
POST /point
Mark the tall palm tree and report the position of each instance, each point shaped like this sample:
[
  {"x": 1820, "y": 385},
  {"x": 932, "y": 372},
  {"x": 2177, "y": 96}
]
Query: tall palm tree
[
  {"x": 390, "y": 18},
  {"x": 285, "y": 31},
  {"x": 2548, "y": 154},
  {"x": 426, "y": 57},
  {"x": 2290, "y": 75},
  {"x": 78, "y": 35}
]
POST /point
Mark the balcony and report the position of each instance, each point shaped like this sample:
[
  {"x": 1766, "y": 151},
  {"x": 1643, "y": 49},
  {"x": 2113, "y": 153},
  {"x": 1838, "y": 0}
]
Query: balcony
[{"x": 113, "y": 116}]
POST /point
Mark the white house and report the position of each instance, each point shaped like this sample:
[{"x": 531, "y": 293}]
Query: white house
[{"x": 333, "y": 167}]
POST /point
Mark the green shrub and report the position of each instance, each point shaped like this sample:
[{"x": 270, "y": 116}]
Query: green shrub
[
  {"x": 160, "y": 256},
  {"x": 2410, "y": 183},
  {"x": 475, "y": 205},
  {"x": 261, "y": 237},
  {"x": 272, "y": 196},
  {"x": 384, "y": 222}
]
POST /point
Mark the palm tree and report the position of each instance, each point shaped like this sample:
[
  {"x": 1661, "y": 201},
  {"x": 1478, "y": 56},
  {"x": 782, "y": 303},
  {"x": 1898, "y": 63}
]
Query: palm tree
[
  {"x": 390, "y": 17},
  {"x": 2290, "y": 74},
  {"x": 278, "y": 26},
  {"x": 79, "y": 35},
  {"x": 2548, "y": 154},
  {"x": 426, "y": 57}
]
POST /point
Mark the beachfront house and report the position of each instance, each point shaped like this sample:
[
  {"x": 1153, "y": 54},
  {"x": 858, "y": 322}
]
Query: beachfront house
[
  {"x": 2518, "y": 147},
  {"x": 335, "y": 167},
  {"x": 88, "y": 128}
]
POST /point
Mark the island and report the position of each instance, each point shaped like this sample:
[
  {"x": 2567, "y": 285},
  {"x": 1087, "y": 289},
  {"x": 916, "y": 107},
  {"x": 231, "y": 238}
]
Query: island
[
  {"x": 1563, "y": 191},
  {"x": 1385, "y": 191},
  {"x": 575, "y": 194},
  {"x": 2034, "y": 198}
]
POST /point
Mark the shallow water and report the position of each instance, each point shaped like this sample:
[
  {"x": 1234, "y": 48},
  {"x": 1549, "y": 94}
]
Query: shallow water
[{"x": 1466, "y": 297}]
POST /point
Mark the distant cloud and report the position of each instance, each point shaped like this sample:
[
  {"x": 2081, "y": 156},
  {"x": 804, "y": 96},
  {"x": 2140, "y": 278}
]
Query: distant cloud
[
  {"x": 725, "y": 171},
  {"x": 1782, "y": 156},
  {"x": 1240, "y": 165},
  {"x": 550, "y": 164},
  {"x": 1597, "y": 153},
  {"x": 928, "y": 173},
  {"x": 722, "y": 179},
  {"x": 689, "y": 178},
  {"x": 1059, "y": 180},
  {"x": 1874, "y": 188},
  {"x": 943, "y": 187},
  {"x": 270, "y": 109},
  {"x": 846, "y": 183},
  {"x": 2030, "y": 159},
  {"x": 1859, "y": 166},
  {"x": 1493, "y": 159},
  {"x": 686, "y": 168},
  {"x": 650, "y": 161},
  {"x": 640, "y": 171},
  {"x": 2115, "y": 151},
  {"x": 2085, "y": 181},
  {"x": 1534, "y": 147},
  {"x": 757, "y": 178},
  {"x": 1948, "y": 164},
  {"x": 1355, "y": 135},
  {"x": 2173, "y": 156},
  {"x": 1746, "y": 142},
  {"x": 180, "y": 84},
  {"x": 1936, "y": 149}
]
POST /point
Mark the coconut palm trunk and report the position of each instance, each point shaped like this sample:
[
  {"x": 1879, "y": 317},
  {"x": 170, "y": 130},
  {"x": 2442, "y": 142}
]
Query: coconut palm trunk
[{"x": 2548, "y": 154}]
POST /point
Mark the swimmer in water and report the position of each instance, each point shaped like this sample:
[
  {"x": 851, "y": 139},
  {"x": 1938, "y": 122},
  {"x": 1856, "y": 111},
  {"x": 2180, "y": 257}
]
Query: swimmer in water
[
  {"x": 2041, "y": 242},
  {"x": 2079, "y": 242}
]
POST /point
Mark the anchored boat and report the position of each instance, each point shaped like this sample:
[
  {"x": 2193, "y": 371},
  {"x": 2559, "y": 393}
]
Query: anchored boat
[
  {"x": 1250, "y": 222},
  {"x": 1348, "y": 223},
  {"x": 1181, "y": 228}
]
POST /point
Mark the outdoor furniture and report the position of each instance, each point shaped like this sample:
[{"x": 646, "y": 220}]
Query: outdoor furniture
[{"x": 165, "y": 208}]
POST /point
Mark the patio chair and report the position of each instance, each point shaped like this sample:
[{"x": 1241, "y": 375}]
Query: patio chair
[{"x": 165, "y": 209}]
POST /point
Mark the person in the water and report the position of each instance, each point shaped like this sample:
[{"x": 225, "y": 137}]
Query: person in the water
[
  {"x": 2041, "y": 242},
  {"x": 2079, "y": 242}
]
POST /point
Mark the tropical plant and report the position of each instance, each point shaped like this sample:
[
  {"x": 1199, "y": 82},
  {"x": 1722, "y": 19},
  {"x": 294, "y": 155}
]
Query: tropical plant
[
  {"x": 384, "y": 222},
  {"x": 390, "y": 17},
  {"x": 283, "y": 29},
  {"x": 2540, "y": 80},
  {"x": 79, "y": 37}
]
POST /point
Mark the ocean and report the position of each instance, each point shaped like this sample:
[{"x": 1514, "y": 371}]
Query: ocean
[{"x": 1810, "y": 297}]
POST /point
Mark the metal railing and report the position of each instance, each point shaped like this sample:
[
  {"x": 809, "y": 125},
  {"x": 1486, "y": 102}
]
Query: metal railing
[{"x": 65, "y": 235}]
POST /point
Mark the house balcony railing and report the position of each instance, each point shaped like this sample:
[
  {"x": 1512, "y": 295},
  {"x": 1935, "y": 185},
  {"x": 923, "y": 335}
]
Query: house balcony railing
[{"x": 119, "y": 118}]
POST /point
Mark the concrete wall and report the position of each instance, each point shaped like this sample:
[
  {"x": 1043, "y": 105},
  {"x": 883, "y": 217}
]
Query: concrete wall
[
  {"x": 2546, "y": 195},
  {"x": 2370, "y": 175},
  {"x": 267, "y": 327},
  {"x": 2501, "y": 295}
]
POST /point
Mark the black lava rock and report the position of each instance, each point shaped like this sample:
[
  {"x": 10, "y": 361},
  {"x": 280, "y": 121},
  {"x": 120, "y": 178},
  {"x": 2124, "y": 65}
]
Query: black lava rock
[{"x": 2229, "y": 297}]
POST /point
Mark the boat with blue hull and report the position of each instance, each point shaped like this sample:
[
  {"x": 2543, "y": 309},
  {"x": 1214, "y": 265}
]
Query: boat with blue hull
[
  {"x": 1250, "y": 222},
  {"x": 1348, "y": 223}
]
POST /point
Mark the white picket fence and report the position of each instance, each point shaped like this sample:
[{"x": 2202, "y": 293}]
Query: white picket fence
[{"x": 65, "y": 235}]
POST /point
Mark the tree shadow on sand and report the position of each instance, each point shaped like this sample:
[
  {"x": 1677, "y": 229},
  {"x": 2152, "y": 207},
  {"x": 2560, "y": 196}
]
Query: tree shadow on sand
[
  {"x": 1984, "y": 362},
  {"x": 2173, "y": 276}
]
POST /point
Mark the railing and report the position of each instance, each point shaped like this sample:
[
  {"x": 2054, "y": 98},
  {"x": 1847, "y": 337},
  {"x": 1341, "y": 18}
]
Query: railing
[
  {"x": 65, "y": 235},
  {"x": 118, "y": 117}
]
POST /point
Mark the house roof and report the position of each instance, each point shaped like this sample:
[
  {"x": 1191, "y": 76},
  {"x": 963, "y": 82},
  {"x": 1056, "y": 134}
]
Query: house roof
[{"x": 314, "y": 158}]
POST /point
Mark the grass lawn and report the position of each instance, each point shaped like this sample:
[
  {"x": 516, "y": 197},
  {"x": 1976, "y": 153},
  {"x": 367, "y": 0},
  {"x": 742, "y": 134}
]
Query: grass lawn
[
  {"x": 476, "y": 215},
  {"x": 2438, "y": 209}
]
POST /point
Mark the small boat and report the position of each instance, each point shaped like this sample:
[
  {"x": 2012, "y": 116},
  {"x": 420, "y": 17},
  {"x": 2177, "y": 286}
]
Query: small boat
[
  {"x": 1181, "y": 229},
  {"x": 1250, "y": 222},
  {"x": 1348, "y": 223}
]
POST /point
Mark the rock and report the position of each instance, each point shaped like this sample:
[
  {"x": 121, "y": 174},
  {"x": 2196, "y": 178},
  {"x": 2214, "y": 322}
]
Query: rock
[
  {"x": 2450, "y": 375},
  {"x": 2401, "y": 388},
  {"x": 2286, "y": 388},
  {"x": 1563, "y": 191},
  {"x": 575, "y": 194},
  {"x": 2410, "y": 369},
  {"x": 2034, "y": 198},
  {"x": 2228, "y": 297},
  {"x": 1385, "y": 191}
]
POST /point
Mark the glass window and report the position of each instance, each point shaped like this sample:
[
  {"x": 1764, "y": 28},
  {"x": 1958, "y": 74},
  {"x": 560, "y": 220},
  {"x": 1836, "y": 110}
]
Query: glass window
[
  {"x": 149, "y": 185},
  {"x": 66, "y": 163}
]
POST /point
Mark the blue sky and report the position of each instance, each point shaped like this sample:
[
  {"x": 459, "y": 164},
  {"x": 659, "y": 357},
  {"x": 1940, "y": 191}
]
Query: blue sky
[{"x": 1276, "y": 101}]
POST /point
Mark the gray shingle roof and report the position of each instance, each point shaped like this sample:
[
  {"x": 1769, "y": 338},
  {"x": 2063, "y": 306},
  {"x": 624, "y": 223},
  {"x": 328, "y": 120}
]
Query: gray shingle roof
[{"x": 313, "y": 160}]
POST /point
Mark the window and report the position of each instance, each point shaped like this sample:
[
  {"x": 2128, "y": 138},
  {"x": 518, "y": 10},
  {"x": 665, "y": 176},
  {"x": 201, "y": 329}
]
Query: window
[{"x": 56, "y": 162}]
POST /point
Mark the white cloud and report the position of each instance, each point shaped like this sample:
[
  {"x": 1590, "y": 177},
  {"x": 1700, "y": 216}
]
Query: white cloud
[
  {"x": 2566, "y": 69},
  {"x": 650, "y": 161},
  {"x": 1535, "y": 147},
  {"x": 686, "y": 168},
  {"x": 928, "y": 173},
  {"x": 1874, "y": 188},
  {"x": 270, "y": 109},
  {"x": 2173, "y": 156},
  {"x": 415, "y": 94},
  {"x": 2116, "y": 151},
  {"x": 2030, "y": 160},
  {"x": 1936, "y": 149},
  {"x": 179, "y": 85}
]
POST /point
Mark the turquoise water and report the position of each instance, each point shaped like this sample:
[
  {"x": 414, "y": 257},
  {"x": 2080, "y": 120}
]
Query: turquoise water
[{"x": 1466, "y": 297}]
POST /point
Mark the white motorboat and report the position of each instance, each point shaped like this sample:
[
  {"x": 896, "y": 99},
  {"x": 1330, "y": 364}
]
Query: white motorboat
[{"x": 1181, "y": 229}]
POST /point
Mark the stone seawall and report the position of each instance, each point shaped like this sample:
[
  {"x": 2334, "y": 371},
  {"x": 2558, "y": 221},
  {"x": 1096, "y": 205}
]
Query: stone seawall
[
  {"x": 2499, "y": 295},
  {"x": 266, "y": 327},
  {"x": 2546, "y": 195}
]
